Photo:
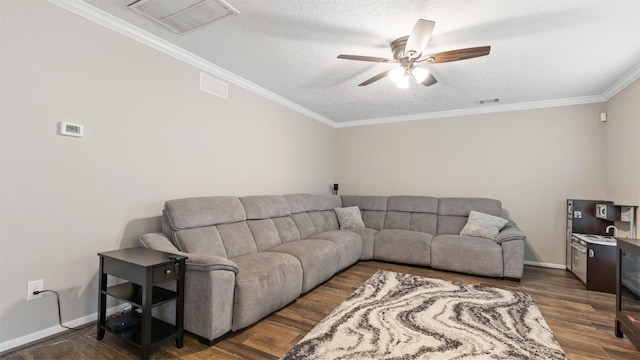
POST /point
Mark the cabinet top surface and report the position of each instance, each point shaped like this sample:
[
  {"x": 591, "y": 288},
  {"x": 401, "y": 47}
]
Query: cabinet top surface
[
  {"x": 142, "y": 256},
  {"x": 629, "y": 244}
]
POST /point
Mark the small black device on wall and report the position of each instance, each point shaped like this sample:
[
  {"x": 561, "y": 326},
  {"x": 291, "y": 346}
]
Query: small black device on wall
[{"x": 335, "y": 189}]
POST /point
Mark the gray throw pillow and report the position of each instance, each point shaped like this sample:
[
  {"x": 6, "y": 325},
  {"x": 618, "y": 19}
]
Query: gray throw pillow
[
  {"x": 483, "y": 225},
  {"x": 349, "y": 218}
]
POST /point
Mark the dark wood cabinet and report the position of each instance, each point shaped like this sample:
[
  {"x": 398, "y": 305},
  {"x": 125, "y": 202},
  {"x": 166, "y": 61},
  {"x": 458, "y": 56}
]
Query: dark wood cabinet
[
  {"x": 628, "y": 290},
  {"x": 581, "y": 219},
  {"x": 601, "y": 268},
  {"x": 143, "y": 270}
]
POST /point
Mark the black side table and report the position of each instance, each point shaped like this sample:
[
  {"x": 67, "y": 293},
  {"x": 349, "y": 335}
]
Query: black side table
[{"x": 143, "y": 269}]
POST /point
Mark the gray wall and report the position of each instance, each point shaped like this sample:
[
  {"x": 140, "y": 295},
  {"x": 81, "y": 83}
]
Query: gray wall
[
  {"x": 150, "y": 135},
  {"x": 531, "y": 160},
  {"x": 623, "y": 150},
  {"x": 623, "y": 146}
]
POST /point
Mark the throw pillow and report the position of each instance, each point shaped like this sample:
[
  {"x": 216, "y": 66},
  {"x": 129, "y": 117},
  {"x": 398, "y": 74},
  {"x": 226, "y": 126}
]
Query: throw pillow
[
  {"x": 483, "y": 225},
  {"x": 349, "y": 218}
]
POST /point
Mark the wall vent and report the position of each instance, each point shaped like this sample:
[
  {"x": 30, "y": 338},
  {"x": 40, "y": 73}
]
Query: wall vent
[
  {"x": 184, "y": 15},
  {"x": 488, "y": 101},
  {"x": 213, "y": 86}
]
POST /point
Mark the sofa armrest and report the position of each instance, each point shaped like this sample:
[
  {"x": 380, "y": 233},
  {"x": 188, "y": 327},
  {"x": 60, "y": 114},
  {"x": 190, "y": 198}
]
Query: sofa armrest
[
  {"x": 196, "y": 262},
  {"x": 510, "y": 232},
  {"x": 209, "y": 291}
]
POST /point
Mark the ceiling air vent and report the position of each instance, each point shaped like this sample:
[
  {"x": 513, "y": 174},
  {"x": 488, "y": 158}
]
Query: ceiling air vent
[
  {"x": 488, "y": 101},
  {"x": 184, "y": 15}
]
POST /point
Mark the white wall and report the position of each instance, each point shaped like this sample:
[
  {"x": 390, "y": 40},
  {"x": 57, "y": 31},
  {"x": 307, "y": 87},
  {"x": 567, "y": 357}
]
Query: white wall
[
  {"x": 150, "y": 135},
  {"x": 530, "y": 160}
]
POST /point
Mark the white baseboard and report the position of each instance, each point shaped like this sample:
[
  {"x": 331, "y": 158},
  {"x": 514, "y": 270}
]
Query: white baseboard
[
  {"x": 22, "y": 340},
  {"x": 545, "y": 265}
]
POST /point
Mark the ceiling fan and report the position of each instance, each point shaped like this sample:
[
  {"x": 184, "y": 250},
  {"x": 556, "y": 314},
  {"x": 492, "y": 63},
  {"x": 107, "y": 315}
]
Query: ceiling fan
[{"x": 407, "y": 51}]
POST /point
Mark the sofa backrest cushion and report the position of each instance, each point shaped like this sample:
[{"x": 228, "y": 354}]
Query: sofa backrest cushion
[
  {"x": 453, "y": 213},
  {"x": 287, "y": 229},
  {"x": 325, "y": 218},
  {"x": 300, "y": 203},
  {"x": 264, "y": 233},
  {"x": 214, "y": 225},
  {"x": 304, "y": 224},
  {"x": 237, "y": 239},
  {"x": 373, "y": 209},
  {"x": 203, "y": 240},
  {"x": 265, "y": 206},
  {"x": 313, "y": 213},
  {"x": 417, "y": 213},
  {"x": 204, "y": 211}
]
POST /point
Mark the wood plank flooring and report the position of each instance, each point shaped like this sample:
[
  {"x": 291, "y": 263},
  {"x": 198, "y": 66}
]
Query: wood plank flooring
[{"x": 583, "y": 321}]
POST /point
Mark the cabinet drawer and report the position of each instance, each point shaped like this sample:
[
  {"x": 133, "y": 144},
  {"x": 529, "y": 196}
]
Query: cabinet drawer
[{"x": 164, "y": 273}]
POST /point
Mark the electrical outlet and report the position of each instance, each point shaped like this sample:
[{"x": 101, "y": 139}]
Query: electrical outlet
[{"x": 36, "y": 285}]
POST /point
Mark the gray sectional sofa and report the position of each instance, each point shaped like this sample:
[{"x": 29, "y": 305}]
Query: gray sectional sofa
[{"x": 250, "y": 256}]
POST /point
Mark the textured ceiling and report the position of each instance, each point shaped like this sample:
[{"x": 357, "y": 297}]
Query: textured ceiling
[{"x": 541, "y": 50}]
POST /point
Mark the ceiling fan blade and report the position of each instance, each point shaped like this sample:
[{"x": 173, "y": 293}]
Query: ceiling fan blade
[
  {"x": 430, "y": 80},
  {"x": 375, "y": 78},
  {"x": 455, "y": 55},
  {"x": 366, "y": 58},
  {"x": 419, "y": 36}
]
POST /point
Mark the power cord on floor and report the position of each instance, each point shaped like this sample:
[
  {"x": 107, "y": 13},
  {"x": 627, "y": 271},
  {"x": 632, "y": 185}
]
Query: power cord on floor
[{"x": 59, "y": 313}]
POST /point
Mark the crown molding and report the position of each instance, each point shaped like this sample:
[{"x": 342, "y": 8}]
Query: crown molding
[
  {"x": 476, "y": 111},
  {"x": 113, "y": 23},
  {"x": 621, "y": 84}
]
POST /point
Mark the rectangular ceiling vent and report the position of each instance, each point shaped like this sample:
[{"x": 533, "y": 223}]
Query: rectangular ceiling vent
[
  {"x": 488, "y": 101},
  {"x": 184, "y": 15}
]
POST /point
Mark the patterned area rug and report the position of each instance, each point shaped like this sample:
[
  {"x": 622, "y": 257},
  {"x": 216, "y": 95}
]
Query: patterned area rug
[{"x": 399, "y": 316}]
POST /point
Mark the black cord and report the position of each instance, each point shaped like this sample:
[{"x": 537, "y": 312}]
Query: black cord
[{"x": 59, "y": 314}]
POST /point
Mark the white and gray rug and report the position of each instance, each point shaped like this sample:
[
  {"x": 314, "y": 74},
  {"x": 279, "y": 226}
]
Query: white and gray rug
[{"x": 399, "y": 316}]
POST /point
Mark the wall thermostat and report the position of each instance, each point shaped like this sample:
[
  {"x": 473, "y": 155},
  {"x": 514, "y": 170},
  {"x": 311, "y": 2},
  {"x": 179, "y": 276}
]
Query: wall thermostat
[{"x": 69, "y": 129}]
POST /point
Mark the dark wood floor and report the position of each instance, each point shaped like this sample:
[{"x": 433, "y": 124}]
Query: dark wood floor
[{"x": 581, "y": 320}]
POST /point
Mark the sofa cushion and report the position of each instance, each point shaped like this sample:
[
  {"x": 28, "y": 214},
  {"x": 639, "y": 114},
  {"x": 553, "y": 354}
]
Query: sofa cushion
[
  {"x": 375, "y": 203},
  {"x": 373, "y": 209},
  {"x": 483, "y": 225},
  {"x": 265, "y": 233},
  {"x": 203, "y": 240},
  {"x": 203, "y": 211},
  {"x": 304, "y": 224},
  {"x": 265, "y": 282},
  {"x": 453, "y": 212},
  {"x": 318, "y": 258},
  {"x": 265, "y": 206},
  {"x": 368, "y": 237},
  {"x": 287, "y": 229},
  {"x": 403, "y": 246},
  {"x": 349, "y": 218},
  {"x": 300, "y": 203},
  {"x": 237, "y": 239},
  {"x": 328, "y": 202},
  {"x": 467, "y": 254},
  {"x": 421, "y": 204},
  {"x": 324, "y": 220},
  {"x": 348, "y": 243}
]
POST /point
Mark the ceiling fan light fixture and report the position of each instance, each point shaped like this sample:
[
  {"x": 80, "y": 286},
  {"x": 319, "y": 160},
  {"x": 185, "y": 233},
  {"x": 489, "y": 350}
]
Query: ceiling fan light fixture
[
  {"x": 397, "y": 73},
  {"x": 403, "y": 81},
  {"x": 420, "y": 73}
]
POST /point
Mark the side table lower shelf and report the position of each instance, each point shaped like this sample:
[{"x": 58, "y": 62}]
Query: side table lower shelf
[{"x": 160, "y": 331}]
